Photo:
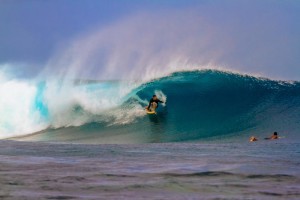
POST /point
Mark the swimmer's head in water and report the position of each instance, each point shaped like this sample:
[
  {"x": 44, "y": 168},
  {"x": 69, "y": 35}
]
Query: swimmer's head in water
[
  {"x": 154, "y": 96},
  {"x": 253, "y": 139},
  {"x": 275, "y": 133}
]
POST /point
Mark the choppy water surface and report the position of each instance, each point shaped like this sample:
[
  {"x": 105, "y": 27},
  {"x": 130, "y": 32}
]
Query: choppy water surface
[{"x": 262, "y": 170}]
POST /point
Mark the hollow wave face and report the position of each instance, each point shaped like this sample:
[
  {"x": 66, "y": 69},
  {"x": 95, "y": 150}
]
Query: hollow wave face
[
  {"x": 203, "y": 104},
  {"x": 198, "y": 104}
]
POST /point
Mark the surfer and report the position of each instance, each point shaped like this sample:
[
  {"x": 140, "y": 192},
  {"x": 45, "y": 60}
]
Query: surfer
[
  {"x": 153, "y": 103},
  {"x": 273, "y": 137}
]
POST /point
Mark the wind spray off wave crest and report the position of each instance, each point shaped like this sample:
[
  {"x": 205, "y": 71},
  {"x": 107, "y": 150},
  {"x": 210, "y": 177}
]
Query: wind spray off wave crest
[
  {"x": 145, "y": 46},
  {"x": 125, "y": 51}
]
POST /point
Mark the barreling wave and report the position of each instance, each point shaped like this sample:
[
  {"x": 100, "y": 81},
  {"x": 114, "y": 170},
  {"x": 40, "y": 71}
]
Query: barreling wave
[{"x": 199, "y": 104}]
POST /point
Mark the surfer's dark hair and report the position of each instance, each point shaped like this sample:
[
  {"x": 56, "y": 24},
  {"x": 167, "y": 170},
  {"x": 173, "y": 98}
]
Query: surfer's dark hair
[
  {"x": 275, "y": 133},
  {"x": 154, "y": 95}
]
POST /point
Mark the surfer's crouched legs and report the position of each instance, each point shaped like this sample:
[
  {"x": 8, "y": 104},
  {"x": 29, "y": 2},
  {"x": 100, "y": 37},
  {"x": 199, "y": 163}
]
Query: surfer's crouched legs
[{"x": 153, "y": 106}]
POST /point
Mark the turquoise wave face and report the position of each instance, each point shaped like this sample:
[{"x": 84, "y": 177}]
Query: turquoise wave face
[
  {"x": 200, "y": 105},
  {"x": 212, "y": 103}
]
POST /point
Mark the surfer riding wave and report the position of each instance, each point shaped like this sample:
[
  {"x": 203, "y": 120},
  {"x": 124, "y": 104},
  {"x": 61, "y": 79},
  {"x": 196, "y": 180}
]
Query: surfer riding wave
[{"x": 153, "y": 103}]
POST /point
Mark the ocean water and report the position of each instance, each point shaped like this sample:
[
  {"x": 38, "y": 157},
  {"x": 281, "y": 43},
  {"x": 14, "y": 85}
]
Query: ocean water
[
  {"x": 82, "y": 139},
  {"x": 261, "y": 170}
]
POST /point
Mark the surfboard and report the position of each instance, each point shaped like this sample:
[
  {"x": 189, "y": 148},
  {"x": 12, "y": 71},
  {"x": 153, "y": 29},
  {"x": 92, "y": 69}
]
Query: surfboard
[{"x": 150, "y": 112}]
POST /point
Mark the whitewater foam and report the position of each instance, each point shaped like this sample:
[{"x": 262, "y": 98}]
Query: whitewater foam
[
  {"x": 31, "y": 106},
  {"x": 17, "y": 113}
]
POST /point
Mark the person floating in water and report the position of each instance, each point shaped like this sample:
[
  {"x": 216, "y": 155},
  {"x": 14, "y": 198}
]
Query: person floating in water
[
  {"x": 253, "y": 139},
  {"x": 273, "y": 137},
  {"x": 153, "y": 103}
]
